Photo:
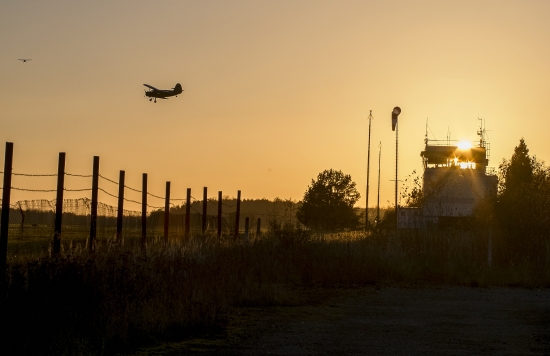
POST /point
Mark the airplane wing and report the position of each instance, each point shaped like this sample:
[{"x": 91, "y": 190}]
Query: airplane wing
[{"x": 151, "y": 87}]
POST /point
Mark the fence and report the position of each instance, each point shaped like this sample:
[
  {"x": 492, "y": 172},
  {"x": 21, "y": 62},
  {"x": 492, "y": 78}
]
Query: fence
[{"x": 44, "y": 223}]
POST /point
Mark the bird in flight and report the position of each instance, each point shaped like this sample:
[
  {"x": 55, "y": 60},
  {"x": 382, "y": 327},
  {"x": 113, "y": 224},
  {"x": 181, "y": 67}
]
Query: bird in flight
[{"x": 24, "y": 60}]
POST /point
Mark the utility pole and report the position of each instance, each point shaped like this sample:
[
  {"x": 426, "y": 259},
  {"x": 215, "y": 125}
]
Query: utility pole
[
  {"x": 368, "y": 174},
  {"x": 378, "y": 201}
]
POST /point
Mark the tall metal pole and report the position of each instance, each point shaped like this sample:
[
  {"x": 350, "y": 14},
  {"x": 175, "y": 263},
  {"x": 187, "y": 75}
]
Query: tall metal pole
[
  {"x": 396, "y": 160},
  {"x": 368, "y": 175},
  {"x": 378, "y": 200},
  {"x": 395, "y": 113}
]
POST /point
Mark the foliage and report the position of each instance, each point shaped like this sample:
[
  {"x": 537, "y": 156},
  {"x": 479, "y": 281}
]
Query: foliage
[
  {"x": 328, "y": 202},
  {"x": 289, "y": 234},
  {"x": 116, "y": 299},
  {"x": 517, "y": 174},
  {"x": 522, "y": 208},
  {"x": 412, "y": 192}
]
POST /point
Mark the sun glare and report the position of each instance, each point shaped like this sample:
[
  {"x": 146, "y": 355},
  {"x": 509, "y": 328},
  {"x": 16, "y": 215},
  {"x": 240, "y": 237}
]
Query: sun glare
[
  {"x": 464, "y": 145},
  {"x": 467, "y": 165}
]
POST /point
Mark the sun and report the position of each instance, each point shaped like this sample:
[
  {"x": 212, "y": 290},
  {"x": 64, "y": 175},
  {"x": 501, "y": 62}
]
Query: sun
[{"x": 464, "y": 145}]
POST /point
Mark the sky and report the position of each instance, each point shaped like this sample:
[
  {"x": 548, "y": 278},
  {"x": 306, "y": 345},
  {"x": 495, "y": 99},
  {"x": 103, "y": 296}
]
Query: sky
[{"x": 275, "y": 92}]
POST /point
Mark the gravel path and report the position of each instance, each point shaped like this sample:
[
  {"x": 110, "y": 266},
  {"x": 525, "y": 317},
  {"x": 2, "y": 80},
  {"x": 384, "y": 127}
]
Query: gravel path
[
  {"x": 390, "y": 321},
  {"x": 393, "y": 321}
]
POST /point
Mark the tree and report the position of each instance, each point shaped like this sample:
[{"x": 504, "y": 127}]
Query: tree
[
  {"x": 412, "y": 192},
  {"x": 328, "y": 202},
  {"x": 514, "y": 209},
  {"x": 516, "y": 174},
  {"x": 523, "y": 202}
]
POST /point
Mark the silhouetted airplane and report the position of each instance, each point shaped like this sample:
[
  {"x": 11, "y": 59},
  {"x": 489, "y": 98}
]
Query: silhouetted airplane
[
  {"x": 162, "y": 94},
  {"x": 25, "y": 59}
]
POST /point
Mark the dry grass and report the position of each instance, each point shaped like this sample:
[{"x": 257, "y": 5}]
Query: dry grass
[{"x": 120, "y": 298}]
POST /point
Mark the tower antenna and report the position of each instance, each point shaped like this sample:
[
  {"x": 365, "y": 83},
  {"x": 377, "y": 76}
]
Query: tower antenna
[{"x": 426, "y": 134}]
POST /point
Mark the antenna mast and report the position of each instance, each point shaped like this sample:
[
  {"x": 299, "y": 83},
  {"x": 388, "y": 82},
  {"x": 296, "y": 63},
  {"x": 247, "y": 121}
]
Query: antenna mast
[
  {"x": 368, "y": 174},
  {"x": 426, "y": 134},
  {"x": 481, "y": 133}
]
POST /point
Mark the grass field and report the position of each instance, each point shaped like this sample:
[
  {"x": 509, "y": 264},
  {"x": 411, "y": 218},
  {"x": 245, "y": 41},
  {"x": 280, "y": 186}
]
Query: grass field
[{"x": 121, "y": 297}]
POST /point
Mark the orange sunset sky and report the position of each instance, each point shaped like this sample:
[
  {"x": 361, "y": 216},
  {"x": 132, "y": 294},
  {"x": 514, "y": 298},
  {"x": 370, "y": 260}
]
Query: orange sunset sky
[{"x": 275, "y": 91}]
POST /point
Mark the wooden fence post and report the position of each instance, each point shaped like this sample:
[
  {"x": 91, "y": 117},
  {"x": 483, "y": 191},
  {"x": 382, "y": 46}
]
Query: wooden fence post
[
  {"x": 187, "y": 212},
  {"x": 93, "y": 208},
  {"x": 4, "y": 224},
  {"x": 59, "y": 204},
  {"x": 204, "y": 210},
  {"x": 167, "y": 212},
  {"x": 258, "y": 227},
  {"x": 120, "y": 210},
  {"x": 238, "y": 214},
  {"x": 144, "y": 213},
  {"x": 219, "y": 214}
]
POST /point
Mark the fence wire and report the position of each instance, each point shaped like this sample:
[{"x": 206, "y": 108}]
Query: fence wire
[{"x": 31, "y": 223}]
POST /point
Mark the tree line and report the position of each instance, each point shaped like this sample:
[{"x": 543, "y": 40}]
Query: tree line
[{"x": 519, "y": 212}]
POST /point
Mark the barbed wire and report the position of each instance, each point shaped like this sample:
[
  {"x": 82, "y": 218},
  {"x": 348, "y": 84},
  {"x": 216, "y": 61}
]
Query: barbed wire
[
  {"x": 35, "y": 190},
  {"x": 33, "y": 175},
  {"x": 77, "y": 190},
  {"x": 193, "y": 199},
  {"x": 132, "y": 201},
  {"x": 129, "y": 200},
  {"x": 106, "y": 192},
  {"x": 155, "y": 207},
  {"x": 156, "y": 196},
  {"x": 78, "y": 175},
  {"x": 133, "y": 189},
  {"x": 107, "y": 179}
]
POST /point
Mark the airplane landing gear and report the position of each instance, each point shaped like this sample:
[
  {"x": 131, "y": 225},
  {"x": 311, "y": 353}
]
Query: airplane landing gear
[{"x": 151, "y": 99}]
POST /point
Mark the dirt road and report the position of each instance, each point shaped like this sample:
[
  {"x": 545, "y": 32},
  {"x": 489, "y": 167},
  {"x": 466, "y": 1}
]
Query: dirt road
[{"x": 390, "y": 321}]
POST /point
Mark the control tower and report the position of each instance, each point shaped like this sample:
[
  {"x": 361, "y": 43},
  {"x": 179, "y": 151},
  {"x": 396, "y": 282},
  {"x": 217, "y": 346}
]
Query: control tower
[{"x": 456, "y": 176}]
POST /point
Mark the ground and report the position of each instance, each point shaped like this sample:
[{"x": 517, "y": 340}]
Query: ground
[{"x": 387, "y": 321}]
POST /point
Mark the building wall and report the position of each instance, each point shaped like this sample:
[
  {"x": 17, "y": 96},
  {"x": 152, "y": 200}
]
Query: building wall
[{"x": 453, "y": 192}]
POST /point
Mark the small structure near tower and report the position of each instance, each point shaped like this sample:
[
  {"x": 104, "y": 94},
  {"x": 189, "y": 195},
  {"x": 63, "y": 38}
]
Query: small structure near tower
[{"x": 456, "y": 177}]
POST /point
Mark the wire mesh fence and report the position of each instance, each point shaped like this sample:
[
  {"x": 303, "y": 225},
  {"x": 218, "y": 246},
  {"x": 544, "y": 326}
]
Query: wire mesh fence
[
  {"x": 31, "y": 223},
  {"x": 39, "y": 224}
]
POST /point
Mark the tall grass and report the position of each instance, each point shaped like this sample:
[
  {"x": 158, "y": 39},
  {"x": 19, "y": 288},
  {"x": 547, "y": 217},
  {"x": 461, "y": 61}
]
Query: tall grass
[{"x": 119, "y": 298}]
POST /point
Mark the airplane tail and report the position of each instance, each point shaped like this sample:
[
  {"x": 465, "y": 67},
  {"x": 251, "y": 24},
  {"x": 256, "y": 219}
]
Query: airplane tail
[{"x": 178, "y": 87}]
